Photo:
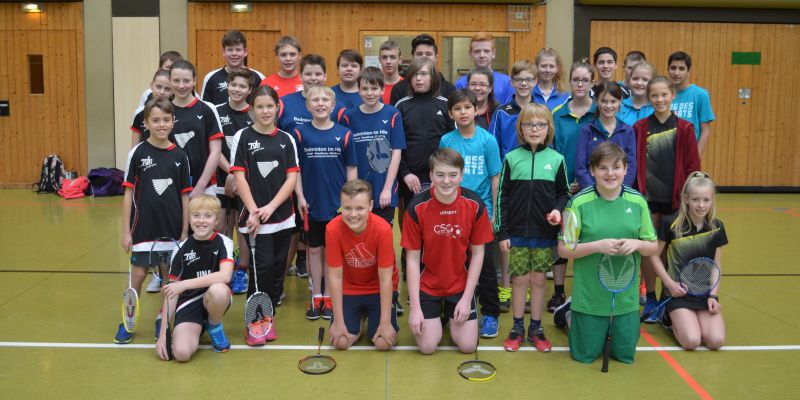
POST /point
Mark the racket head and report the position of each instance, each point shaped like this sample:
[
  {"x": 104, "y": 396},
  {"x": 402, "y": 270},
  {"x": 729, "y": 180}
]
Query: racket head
[
  {"x": 258, "y": 314},
  {"x": 130, "y": 309},
  {"x": 316, "y": 364},
  {"x": 570, "y": 228},
  {"x": 477, "y": 370},
  {"x": 616, "y": 273},
  {"x": 699, "y": 276}
]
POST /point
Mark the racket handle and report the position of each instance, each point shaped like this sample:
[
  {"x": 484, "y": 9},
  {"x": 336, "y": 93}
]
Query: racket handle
[
  {"x": 169, "y": 341},
  {"x": 305, "y": 220},
  {"x": 321, "y": 334},
  {"x": 606, "y": 354},
  {"x": 252, "y": 240}
]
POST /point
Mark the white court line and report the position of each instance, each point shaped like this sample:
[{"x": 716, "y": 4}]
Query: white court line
[{"x": 398, "y": 348}]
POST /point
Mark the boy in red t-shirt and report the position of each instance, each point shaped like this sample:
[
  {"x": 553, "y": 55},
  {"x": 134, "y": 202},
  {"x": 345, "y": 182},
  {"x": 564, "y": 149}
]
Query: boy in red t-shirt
[
  {"x": 287, "y": 79},
  {"x": 441, "y": 226},
  {"x": 362, "y": 273}
]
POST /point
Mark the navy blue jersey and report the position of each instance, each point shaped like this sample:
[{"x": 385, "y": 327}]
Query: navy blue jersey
[
  {"x": 293, "y": 112},
  {"x": 266, "y": 160},
  {"x": 231, "y": 121},
  {"x": 324, "y": 157},
  {"x": 215, "y": 85},
  {"x": 375, "y": 136},
  {"x": 200, "y": 258},
  {"x": 158, "y": 178},
  {"x": 348, "y": 100},
  {"x": 195, "y": 126}
]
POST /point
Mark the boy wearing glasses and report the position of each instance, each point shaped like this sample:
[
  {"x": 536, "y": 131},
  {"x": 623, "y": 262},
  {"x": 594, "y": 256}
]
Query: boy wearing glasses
[
  {"x": 505, "y": 118},
  {"x": 482, "y": 53}
]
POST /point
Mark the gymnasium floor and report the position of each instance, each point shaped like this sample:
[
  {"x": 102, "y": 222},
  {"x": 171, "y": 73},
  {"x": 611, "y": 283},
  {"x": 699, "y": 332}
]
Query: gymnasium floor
[{"x": 62, "y": 273}]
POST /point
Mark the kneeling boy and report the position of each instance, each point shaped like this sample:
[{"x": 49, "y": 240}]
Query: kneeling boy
[
  {"x": 362, "y": 273},
  {"x": 201, "y": 290},
  {"x": 440, "y": 226}
]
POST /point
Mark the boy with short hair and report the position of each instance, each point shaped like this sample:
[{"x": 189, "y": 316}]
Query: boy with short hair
[
  {"x": 287, "y": 80},
  {"x": 293, "y": 110},
  {"x": 200, "y": 296},
  {"x": 233, "y": 116},
  {"x": 605, "y": 63},
  {"x": 482, "y": 52},
  {"x": 691, "y": 102},
  {"x": 633, "y": 58},
  {"x": 234, "y": 51},
  {"x": 504, "y": 121},
  {"x": 362, "y": 273},
  {"x": 440, "y": 226},
  {"x": 349, "y": 63},
  {"x": 379, "y": 140},
  {"x": 615, "y": 220},
  {"x": 481, "y": 175},
  {"x": 327, "y": 160},
  {"x": 390, "y": 58},
  {"x": 423, "y": 46}
]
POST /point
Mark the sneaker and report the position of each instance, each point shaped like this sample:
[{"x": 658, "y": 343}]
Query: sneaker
[
  {"x": 663, "y": 317},
  {"x": 240, "y": 281},
  {"x": 281, "y": 299},
  {"x": 327, "y": 309},
  {"x": 253, "y": 340},
  {"x": 514, "y": 339},
  {"x": 537, "y": 339},
  {"x": 314, "y": 311},
  {"x": 292, "y": 271},
  {"x": 489, "y": 326},
  {"x": 219, "y": 341},
  {"x": 650, "y": 308},
  {"x": 642, "y": 300},
  {"x": 301, "y": 267},
  {"x": 528, "y": 302},
  {"x": 158, "y": 326},
  {"x": 504, "y": 294},
  {"x": 556, "y": 301},
  {"x": 398, "y": 308},
  {"x": 560, "y": 314},
  {"x": 272, "y": 334},
  {"x": 154, "y": 286},
  {"x": 122, "y": 336}
]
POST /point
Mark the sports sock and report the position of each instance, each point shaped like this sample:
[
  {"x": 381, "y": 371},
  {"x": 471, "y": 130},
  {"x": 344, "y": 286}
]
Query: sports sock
[
  {"x": 535, "y": 324},
  {"x": 519, "y": 323},
  {"x": 651, "y": 295}
]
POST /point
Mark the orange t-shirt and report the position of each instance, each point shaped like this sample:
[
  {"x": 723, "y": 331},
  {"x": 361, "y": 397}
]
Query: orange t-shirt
[
  {"x": 283, "y": 85},
  {"x": 361, "y": 254},
  {"x": 387, "y": 92}
]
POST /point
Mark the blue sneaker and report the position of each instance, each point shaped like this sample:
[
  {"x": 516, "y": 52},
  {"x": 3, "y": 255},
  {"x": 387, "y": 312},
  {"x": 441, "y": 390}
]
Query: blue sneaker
[
  {"x": 240, "y": 281},
  {"x": 123, "y": 337},
  {"x": 219, "y": 341},
  {"x": 650, "y": 308},
  {"x": 158, "y": 326},
  {"x": 489, "y": 326}
]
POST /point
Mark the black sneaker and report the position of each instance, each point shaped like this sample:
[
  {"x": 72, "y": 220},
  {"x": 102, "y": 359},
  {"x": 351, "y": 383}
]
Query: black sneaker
[
  {"x": 327, "y": 309},
  {"x": 560, "y": 314},
  {"x": 398, "y": 308},
  {"x": 315, "y": 311},
  {"x": 301, "y": 267},
  {"x": 556, "y": 301}
]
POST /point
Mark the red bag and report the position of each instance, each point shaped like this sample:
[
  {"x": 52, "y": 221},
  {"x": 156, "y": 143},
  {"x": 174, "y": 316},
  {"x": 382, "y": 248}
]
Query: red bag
[{"x": 74, "y": 188}]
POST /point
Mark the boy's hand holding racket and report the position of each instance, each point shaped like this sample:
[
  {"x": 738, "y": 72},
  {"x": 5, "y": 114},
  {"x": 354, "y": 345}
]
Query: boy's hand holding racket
[
  {"x": 253, "y": 222},
  {"x": 173, "y": 290},
  {"x": 675, "y": 288},
  {"x": 554, "y": 217},
  {"x": 462, "y": 310},
  {"x": 608, "y": 246},
  {"x": 127, "y": 242},
  {"x": 265, "y": 212}
]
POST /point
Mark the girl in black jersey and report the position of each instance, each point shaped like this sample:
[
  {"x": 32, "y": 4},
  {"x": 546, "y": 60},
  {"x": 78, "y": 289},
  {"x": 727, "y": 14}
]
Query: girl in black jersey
[
  {"x": 200, "y": 296},
  {"x": 693, "y": 231},
  {"x": 159, "y": 89},
  {"x": 264, "y": 163}
]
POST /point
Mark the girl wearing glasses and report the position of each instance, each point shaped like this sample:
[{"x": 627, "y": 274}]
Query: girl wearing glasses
[
  {"x": 533, "y": 190},
  {"x": 666, "y": 152}
]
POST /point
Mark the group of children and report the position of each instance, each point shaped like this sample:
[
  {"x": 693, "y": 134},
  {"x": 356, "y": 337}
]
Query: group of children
[{"x": 488, "y": 163}]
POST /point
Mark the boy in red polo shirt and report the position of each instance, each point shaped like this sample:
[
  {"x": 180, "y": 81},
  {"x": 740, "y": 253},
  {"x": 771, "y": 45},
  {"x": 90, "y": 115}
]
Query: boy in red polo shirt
[
  {"x": 440, "y": 226},
  {"x": 362, "y": 273}
]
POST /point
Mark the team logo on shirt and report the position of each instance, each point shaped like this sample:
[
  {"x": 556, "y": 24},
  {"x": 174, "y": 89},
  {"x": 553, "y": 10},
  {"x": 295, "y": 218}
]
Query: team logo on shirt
[
  {"x": 190, "y": 257},
  {"x": 385, "y": 121},
  {"x": 629, "y": 211},
  {"x": 183, "y": 138},
  {"x": 266, "y": 167},
  {"x": 147, "y": 163},
  {"x": 548, "y": 167},
  {"x": 379, "y": 154},
  {"x": 359, "y": 257},
  {"x": 447, "y": 230},
  {"x": 199, "y": 117},
  {"x": 439, "y": 112},
  {"x": 225, "y": 120},
  {"x": 161, "y": 185},
  {"x": 222, "y": 86},
  {"x": 254, "y": 147},
  {"x": 338, "y": 138}
]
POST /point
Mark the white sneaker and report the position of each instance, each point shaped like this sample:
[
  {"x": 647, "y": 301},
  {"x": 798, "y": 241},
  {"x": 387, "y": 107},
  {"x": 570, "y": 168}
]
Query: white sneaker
[{"x": 154, "y": 286}]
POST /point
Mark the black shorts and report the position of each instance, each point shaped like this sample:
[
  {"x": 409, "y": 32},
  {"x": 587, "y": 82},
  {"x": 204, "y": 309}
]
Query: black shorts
[
  {"x": 227, "y": 203},
  {"x": 298, "y": 216},
  {"x": 142, "y": 258},
  {"x": 356, "y": 307},
  {"x": 689, "y": 302},
  {"x": 194, "y": 311},
  {"x": 386, "y": 213},
  {"x": 657, "y": 207},
  {"x": 316, "y": 233},
  {"x": 443, "y": 306}
]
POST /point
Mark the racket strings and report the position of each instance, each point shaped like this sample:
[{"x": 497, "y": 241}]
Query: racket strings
[
  {"x": 699, "y": 276},
  {"x": 317, "y": 364},
  {"x": 616, "y": 272},
  {"x": 477, "y": 370},
  {"x": 571, "y": 229}
]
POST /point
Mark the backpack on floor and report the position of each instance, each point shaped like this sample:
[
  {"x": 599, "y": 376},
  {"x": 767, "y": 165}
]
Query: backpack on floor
[
  {"x": 106, "y": 181},
  {"x": 52, "y": 175},
  {"x": 74, "y": 188}
]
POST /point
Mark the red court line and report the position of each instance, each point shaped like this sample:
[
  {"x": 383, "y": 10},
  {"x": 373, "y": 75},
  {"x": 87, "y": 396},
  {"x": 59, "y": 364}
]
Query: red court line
[
  {"x": 792, "y": 213},
  {"x": 676, "y": 366}
]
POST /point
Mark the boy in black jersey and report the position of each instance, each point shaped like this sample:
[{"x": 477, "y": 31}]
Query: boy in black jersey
[
  {"x": 199, "y": 297},
  {"x": 156, "y": 194},
  {"x": 234, "y": 51}
]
